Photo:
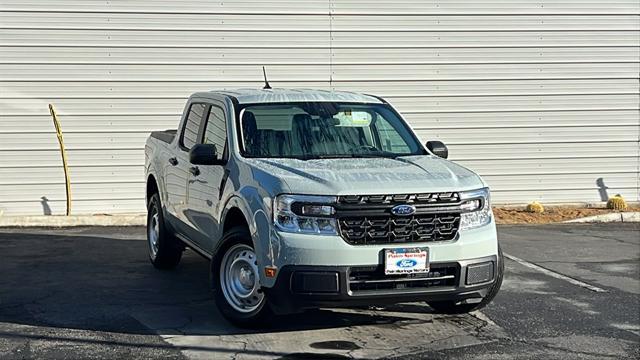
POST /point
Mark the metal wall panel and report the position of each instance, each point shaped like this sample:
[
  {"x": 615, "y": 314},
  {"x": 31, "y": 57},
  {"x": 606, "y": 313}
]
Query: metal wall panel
[
  {"x": 540, "y": 97},
  {"x": 474, "y": 7}
]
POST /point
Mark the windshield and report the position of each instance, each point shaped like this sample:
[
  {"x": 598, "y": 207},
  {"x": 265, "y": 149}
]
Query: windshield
[{"x": 324, "y": 130}]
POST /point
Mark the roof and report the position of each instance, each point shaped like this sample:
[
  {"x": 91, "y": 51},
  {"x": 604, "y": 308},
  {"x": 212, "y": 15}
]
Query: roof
[{"x": 252, "y": 96}]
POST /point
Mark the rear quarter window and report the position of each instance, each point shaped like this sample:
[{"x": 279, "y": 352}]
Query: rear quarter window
[{"x": 189, "y": 135}]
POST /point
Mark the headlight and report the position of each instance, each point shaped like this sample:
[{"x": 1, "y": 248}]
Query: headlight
[
  {"x": 305, "y": 214},
  {"x": 476, "y": 209}
]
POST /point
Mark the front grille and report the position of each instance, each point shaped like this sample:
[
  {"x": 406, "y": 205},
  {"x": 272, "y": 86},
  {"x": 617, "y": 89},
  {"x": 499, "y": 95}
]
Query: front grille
[
  {"x": 422, "y": 198},
  {"x": 373, "y": 279},
  {"x": 367, "y": 219},
  {"x": 366, "y": 230}
]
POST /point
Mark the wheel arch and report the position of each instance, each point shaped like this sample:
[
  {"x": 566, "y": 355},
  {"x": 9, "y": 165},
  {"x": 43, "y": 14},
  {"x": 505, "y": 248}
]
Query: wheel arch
[
  {"x": 151, "y": 188},
  {"x": 234, "y": 217},
  {"x": 237, "y": 211}
]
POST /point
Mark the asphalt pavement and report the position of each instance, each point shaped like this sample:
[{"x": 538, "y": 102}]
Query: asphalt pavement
[{"x": 570, "y": 291}]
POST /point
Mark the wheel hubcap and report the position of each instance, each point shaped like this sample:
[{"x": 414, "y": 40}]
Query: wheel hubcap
[
  {"x": 239, "y": 279},
  {"x": 153, "y": 232}
]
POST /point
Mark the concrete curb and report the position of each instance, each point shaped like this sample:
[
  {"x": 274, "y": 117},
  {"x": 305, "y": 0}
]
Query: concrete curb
[
  {"x": 70, "y": 221},
  {"x": 611, "y": 217}
]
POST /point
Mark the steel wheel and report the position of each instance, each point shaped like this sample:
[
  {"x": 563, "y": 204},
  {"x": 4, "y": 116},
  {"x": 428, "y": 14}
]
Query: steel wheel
[
  {"x": 153, "y": 232},
  {"x": 239, "y": 279},
  {"x": 165, "y": 250}
]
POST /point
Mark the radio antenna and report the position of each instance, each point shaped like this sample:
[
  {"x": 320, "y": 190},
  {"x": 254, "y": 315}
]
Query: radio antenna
[{"x": 266, "y": 82}]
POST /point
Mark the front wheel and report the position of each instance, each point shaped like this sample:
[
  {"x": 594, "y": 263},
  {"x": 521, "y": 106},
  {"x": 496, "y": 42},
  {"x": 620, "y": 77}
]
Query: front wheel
[
  {"x": 236, "y": 281},
  {"x": 451, "y": 307}
]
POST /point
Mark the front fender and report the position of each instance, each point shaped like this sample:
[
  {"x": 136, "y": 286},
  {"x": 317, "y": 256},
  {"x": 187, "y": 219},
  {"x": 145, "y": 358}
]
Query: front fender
[{"x": 256, "y": 209}]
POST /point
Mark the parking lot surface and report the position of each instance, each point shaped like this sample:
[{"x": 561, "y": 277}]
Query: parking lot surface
[{"x": 570, "y": 291}]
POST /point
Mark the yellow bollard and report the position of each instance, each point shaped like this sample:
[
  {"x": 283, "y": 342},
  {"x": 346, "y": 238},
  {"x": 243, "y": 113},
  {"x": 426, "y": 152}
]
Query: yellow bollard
[{"x": 63, "y": 152}]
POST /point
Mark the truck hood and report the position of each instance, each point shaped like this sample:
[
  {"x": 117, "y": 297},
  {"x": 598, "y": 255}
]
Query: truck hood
[{"x": 357, "y": 176}]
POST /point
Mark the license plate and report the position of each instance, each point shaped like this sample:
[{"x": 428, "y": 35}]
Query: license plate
[{"x": 406, "y": 261}]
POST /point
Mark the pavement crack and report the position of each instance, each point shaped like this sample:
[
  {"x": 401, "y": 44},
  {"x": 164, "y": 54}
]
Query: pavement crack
[
  {"x": 635, "y": 260},
  {"x": 540, "y": 344},
  {"x": 608, "y": 238},
  {"x": 25, "y": 350},
  {"x": 584, "y": 353},
  {"x": 244, "y": 349}
]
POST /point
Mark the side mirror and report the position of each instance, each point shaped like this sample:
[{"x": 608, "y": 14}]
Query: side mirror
[
  {"x": 438, "y": 149},
  {"x": 204, "y": 154}
]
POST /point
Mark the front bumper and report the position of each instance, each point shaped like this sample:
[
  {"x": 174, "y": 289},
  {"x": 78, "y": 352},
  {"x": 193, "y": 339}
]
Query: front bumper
[
  {"x": 300, "y": 287},
  {"x": 282, "y": 250}
]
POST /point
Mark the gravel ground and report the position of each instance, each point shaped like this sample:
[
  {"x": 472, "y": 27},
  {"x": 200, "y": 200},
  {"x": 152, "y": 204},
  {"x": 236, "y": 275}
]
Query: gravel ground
[{"x": 552, "y": 214}]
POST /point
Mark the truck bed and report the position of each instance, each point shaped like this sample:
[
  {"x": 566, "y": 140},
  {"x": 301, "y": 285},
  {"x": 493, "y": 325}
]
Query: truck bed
[{"x": 165, "y": 136}]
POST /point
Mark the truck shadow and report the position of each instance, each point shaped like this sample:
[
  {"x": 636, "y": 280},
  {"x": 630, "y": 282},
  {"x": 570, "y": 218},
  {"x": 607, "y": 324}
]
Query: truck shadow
[{"x": 101, "y": 280}]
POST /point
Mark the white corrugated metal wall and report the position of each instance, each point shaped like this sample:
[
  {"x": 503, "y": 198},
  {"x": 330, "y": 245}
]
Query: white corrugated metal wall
[{"x": 539, "y": 96}]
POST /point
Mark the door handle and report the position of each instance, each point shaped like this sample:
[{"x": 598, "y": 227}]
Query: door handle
[
  {"x": 194, "y": 170},
  {"x": 173, "y": 161}
]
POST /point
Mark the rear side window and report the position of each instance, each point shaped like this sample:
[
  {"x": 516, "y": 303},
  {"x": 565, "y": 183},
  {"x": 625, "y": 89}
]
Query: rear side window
[
  {"x": 216, "y": 131},
  {"x": 192, "y": 126}
]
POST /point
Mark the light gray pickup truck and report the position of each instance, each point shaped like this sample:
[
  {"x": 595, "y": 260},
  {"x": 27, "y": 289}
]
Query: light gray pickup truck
[{"x": 307, "y": 198}]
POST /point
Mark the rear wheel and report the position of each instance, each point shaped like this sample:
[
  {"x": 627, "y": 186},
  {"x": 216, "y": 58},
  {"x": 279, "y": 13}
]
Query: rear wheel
[
  {"x": 236, "y": 281},
  {"x": 165, "y": 250},
  {"x": 450, "y": 307}
]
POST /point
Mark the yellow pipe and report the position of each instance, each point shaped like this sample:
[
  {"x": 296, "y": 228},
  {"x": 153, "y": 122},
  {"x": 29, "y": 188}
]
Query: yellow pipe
[{"x": 64, "y": 156}]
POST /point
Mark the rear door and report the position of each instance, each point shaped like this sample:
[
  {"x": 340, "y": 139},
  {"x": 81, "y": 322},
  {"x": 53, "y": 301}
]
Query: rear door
[
  {"x": 207, "y": 181},
  {"x": 177, "y": 167}
]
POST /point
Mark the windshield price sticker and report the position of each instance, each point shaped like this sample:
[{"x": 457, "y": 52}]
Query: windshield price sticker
[{"x": 406, "y": 261}]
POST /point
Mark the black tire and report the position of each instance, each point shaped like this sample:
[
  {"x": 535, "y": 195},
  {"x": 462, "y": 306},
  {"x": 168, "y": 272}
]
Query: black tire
[
  {"x": 234, "y": 241},
  {"x": 165, "y": 252},
  {"x": 450, "y": 307}
]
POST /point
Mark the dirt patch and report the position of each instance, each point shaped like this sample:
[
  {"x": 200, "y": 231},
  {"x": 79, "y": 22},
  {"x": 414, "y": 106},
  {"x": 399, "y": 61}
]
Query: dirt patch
[{"x": 550, "y": 215}]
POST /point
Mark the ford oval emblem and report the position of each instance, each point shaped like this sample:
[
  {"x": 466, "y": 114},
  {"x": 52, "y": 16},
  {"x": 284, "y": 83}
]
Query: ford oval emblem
[
  {"x": 403, "y": 210},
  {"x": 406, "y": 263}
]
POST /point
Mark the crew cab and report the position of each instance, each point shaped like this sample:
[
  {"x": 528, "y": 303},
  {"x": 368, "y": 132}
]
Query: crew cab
[{"x": 309, "y": 198}]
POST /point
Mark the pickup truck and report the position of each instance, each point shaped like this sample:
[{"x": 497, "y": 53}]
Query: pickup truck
[{"x": 308, "y": 198}]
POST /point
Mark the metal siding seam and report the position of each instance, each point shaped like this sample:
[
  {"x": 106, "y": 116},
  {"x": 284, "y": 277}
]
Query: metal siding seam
[
  {"x": 330, "y": 2},
  {"x": 638, "y": 144}
]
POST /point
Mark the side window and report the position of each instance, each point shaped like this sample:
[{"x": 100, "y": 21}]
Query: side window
[
  {"x": 389, "y": 137},
  {"x": 216, "y": 130},
  {"x": 192, "y": 125}
]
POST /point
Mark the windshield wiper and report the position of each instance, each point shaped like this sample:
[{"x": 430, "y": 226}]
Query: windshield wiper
[
  {"x": 381, "y": 154},
  {"x": 333, "y": 156},
  {"x": 348, "y": 156},
  {"x": 323, "y": 156},
  {"x": 376, "y": 155}
]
